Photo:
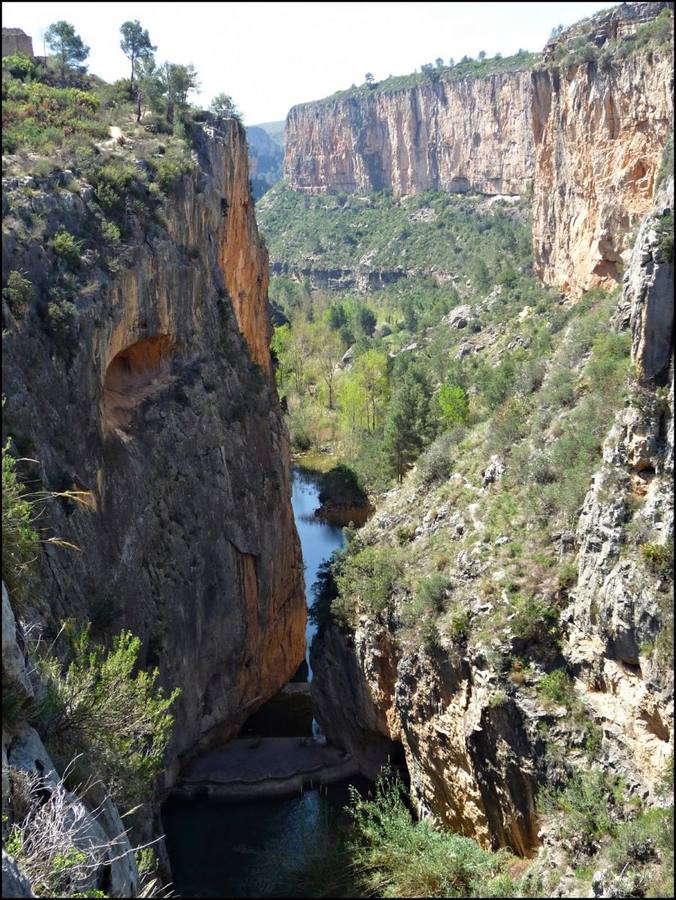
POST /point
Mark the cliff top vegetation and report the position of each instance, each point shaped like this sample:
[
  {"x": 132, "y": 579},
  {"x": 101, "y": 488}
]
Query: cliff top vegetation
[
  {"x": 440, "y": 72},
  {"x": 578, "y": 45}
]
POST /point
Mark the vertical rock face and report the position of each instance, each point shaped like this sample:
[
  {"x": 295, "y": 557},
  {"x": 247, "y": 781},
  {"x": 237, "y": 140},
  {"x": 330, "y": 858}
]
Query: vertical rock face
[
  {"x": 470, "y": 763},
  {"x": 468, "y": 135},
  {"x": 160, "y": 409},
  {"x": 599, "y": 139},
  {"x": 620, "y": 605}
]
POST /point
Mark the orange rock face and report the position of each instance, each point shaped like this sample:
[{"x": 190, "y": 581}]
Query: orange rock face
[
  {"x": 599, "y": 139},
  {"x": 156, "y": 414},
  {"x": 244, "y": 260}
]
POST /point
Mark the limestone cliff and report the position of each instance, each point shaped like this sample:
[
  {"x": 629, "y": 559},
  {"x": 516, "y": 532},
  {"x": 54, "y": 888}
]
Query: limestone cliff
[
  {"x": 148, "y": 398},
  {"x": 599, "y": 139},
  {"x": 585, "y": 133},
  {"x": 471, "y": 765},
  {"x": 473, "y": 134},
  {"x": 621, "y": 601}
]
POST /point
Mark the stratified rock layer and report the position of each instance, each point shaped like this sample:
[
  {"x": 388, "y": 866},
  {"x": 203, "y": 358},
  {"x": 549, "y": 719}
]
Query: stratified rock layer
[
  {"x": 160, "y": 410},
  {"x": 468, "y": 135}
]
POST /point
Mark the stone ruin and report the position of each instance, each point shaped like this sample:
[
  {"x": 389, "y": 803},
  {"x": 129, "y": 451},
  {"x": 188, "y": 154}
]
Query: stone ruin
[{"x": 16, "y": 41}]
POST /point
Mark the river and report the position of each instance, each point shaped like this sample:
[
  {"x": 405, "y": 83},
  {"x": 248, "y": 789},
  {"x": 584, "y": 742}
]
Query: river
[{"x": 265, "y": 848}]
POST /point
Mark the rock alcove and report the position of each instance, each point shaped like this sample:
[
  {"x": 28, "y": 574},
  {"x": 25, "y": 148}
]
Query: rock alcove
[{"x": 135, "y": 373}]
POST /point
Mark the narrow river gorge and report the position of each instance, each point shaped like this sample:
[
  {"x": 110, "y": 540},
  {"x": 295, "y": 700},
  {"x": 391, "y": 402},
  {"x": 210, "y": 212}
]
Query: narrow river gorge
[{"x": 256, "y": 846}]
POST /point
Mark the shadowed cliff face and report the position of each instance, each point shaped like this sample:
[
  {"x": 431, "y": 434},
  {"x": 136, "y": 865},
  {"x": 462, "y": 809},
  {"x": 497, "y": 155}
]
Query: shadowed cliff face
[
  {"x": 599, "y": 138},
  {"x": 162, "y": 410},
  {"x": 469, "y": 135}
]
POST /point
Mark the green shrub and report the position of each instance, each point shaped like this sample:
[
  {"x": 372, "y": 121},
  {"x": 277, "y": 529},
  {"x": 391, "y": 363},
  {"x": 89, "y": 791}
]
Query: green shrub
[
  {"x": 19, "y": 537},
  {"x": 586, "y": 801},
  {"x": 67, "y": 247},
  {"x": 169, "y": 170},
  {"x": 609, "y": 363},
  {"x": 534, "y": 619},
  {"x": 436, "y": 463},
  {"x": 432, "y": 593},
  {"x": 459, "y": 623},
  {"x": 118, "y": 720},
  {"x": 62, "y": 315},
  {"x": 111, "y": 184},
  {"x": 393, "y": 856},
  {"x": 20, "y": 67},
  {"x": 453, "y": 404},
  {"x": 557, "y": 687},
  {"x": 366, "y": 582},
  {"x": 110, "y": 232},
  {"x": 40, "y": 117},
  {"x": 18, "y": 293},
  {"x": 665, "y": 232},
  {"x": 659, "y": 558}
]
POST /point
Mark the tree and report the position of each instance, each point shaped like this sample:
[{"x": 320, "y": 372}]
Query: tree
[
  {"x": 453, "y": 404},
  {"x": 149, "y": 87},
  {"x": 224, "y": 107},
  {"x": 298, "y": 353},
  {"x": 329, "y": 350},
  {"x": 368, "y": 78},
  {"x": 135, "y": 45},
  {"x": 410, "y": 314},
  {"x": 371, "y": 369},
  {"x": 438, "y": 62},
  {"x": 482, "y": 55},
  {"x": 367, "y": 320},
  {"x": 451, "y": 63},
  {"x": 335, "y": 316},
  {"x": 353, "y": 403},
  {"x": 555, "y": 32},
  {"x": 177, "y": 82},
  {"x": 66, "y": 45},
  {"x": 407, "y": 424}
]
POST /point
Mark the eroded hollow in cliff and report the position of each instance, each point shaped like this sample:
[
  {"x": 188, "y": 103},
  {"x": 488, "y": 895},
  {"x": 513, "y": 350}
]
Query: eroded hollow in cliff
[{"x": 133, "y": 374}]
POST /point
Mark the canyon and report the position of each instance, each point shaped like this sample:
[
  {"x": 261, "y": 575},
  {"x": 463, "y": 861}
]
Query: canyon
[
  {"x": 556, "y": 129},
  {"x": 147, "y": 403}
]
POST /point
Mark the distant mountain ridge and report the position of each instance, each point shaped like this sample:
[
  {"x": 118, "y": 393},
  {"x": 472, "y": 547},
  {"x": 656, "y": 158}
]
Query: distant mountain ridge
[{"x": 266, "y": 155}]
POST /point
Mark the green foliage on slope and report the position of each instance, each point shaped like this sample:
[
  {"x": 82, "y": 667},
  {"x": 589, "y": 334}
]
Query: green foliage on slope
[
  {"x": 108, "y": 710},
  {"x": 395, "y": 856}
]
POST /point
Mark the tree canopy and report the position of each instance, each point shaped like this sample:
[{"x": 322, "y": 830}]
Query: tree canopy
[
  {"x": 66, "y": 45},
  {"x": 135, "y": 45}
]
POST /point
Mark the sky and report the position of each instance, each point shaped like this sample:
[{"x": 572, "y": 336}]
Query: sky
[{"x": 270, "y": 56}]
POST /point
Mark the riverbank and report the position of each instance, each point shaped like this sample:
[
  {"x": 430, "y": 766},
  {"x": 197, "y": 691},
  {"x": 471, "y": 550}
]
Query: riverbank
[{"x": 256, "y": 768}]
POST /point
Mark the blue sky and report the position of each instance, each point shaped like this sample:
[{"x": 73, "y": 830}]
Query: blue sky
[{"x": 269, "y": 56}]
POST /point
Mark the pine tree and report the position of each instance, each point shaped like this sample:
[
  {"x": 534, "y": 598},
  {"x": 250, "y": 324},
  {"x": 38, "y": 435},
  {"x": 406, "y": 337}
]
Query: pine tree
[
  {"x": 136, "y": 46},
  {"x": 66, "y": 45}
]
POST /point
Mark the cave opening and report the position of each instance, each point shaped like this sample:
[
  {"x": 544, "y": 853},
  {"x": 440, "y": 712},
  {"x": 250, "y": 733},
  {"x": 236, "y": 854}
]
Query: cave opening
[{"x": 134, "y": 374}]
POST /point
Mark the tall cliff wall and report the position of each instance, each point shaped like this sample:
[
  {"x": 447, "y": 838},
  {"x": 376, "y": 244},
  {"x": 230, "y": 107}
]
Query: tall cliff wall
[
  {"x": 599, "y": 139},
  {"x": 588, "y": 138},
  {"x": 147, "y": 400},
  {"x": 468, "y": 135}
]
